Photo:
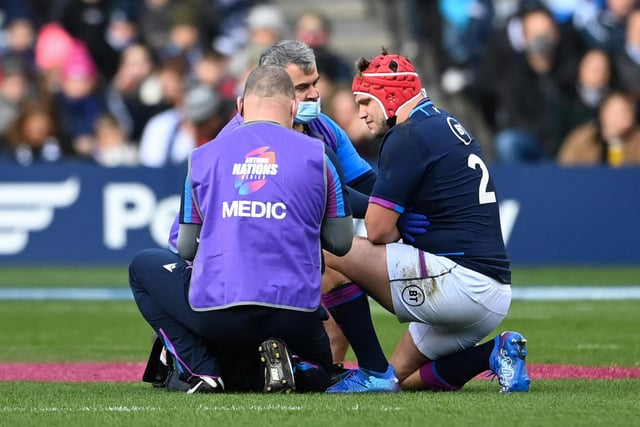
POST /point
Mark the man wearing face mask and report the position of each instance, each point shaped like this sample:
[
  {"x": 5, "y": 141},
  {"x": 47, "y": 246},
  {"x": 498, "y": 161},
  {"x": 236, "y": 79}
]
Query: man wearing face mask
[
  {"x": 254, "y": 216},
  {"x": 299, "y": 62},
  {"x": 531, "y": 97}
]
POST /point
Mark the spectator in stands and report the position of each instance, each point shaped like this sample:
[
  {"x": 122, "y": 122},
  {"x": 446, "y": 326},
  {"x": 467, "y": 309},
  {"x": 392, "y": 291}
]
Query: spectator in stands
[
  {"x": 33, "y": 137},
  {"x": 112, "y": 149},
  {"x": 594, "y": 80},
  {"x": 627, "y": 57},
  {"x": 185, "y": 37},
  {"x": 532, "y": 90},
  {"x": 87, "y": 20},
  {"x": 314, "y": 28},
  {"x": 213, "y": 69},
  {"x": 613, "y": 139},
  {"x": 80, "y": 102},
  {"x": 122, "y": 26},
  {"x": 206, "y": 112},
  {"x": 20, "y": 38},
  {"x": 265, "y": 26},
  {"x": 16, "y": 87},
  {"x": 53, "y": 47},
  {"x": 134, "y": 95},
  {"x": 166, "y": 138}
]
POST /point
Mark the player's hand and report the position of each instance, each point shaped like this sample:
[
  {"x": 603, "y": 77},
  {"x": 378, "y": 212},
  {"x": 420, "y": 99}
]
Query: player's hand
[{"x": 411, "y": 224}]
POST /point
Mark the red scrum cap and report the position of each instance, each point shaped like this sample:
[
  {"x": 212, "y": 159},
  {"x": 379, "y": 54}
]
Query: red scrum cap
[{"x": 391, "y": 80}]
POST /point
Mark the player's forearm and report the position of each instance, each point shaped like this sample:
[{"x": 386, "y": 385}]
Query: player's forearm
[
  {"x": 382, "y": 236},
  {"x": 380, "y": 223}
]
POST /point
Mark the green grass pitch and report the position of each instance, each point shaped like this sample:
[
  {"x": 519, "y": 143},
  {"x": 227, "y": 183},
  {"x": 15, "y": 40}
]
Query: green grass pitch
[{"x": 590, "y": 333}]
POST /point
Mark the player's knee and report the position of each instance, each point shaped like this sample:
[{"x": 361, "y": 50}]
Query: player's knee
[{"x": 332, "y": 279}]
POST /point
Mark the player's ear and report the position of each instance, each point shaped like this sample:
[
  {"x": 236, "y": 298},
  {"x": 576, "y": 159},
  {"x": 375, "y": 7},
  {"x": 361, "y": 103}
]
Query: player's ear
[{"x": 240, "y": 105}]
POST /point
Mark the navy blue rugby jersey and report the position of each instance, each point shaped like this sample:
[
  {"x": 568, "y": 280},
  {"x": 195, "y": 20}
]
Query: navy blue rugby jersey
[{"x": 432, "y": 165}]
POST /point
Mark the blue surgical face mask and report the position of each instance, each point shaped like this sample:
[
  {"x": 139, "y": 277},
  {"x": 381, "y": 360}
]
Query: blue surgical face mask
[
  {"x": 307, "y": 111},
  {"x": 542, "y": 44}
]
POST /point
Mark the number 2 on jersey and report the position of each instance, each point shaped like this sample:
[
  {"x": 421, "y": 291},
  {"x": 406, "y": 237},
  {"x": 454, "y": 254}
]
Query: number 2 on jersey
[{"x": 484, "y": 196}]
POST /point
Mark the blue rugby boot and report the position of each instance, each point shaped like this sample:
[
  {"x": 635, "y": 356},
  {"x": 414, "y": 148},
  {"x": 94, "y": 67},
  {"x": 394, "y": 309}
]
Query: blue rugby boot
[
  {"x": 507, "y": 362},
  {"x": 278, "y": 367},
  {"x": 364, "y": 381}
]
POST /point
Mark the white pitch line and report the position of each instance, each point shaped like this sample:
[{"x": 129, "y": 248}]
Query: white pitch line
[
  {"x": 231, "y": 408},
  {"x": 569, "y": 293},
  {"x": 80, "y": 409},
  {"x": 544, "y": 293},
  {"x": 82, "y": 294}
]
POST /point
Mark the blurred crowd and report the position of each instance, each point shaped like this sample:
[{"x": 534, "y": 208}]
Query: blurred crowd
[{"x": 142, "y": 82}]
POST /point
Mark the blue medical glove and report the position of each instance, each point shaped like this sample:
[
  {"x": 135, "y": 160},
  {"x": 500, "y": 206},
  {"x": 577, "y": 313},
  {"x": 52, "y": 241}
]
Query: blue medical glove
[{"x": 411, "y": 224}]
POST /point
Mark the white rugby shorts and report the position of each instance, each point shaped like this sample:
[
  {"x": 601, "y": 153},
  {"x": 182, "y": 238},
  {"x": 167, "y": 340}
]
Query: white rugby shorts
[{"x": 450, "y": 307}]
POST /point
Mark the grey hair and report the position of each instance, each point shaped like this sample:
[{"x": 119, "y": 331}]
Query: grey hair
[
  {"x": 285, "y": 52},
  {"x": 269, "y": 81}
]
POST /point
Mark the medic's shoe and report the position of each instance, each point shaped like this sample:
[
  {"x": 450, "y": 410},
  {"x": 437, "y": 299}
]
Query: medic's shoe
[
  {"x": 206, "y": 384},
  {"x": 178, "y": 381},
  {"x": 278, "y": 369},
  {"x": 364, "y": 381},
  {"x": 507, "y": 362}
]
